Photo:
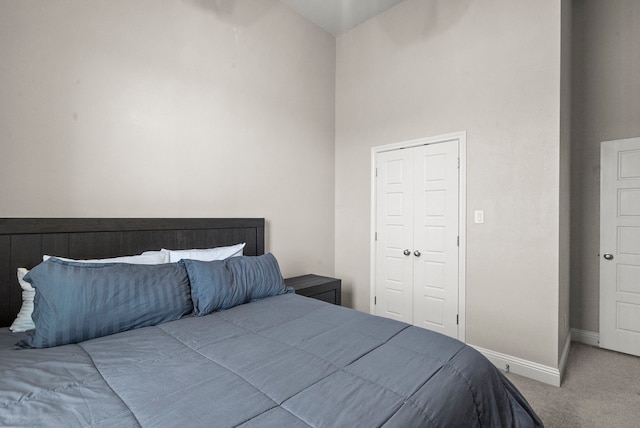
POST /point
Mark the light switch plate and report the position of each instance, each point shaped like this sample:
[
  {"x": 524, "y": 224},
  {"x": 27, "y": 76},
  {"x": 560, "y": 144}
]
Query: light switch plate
[{"x": 478, "y": 216}]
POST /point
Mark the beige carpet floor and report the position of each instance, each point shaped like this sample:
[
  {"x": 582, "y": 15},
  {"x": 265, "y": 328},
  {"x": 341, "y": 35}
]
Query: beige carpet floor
[{"x": 600, "y": 388}]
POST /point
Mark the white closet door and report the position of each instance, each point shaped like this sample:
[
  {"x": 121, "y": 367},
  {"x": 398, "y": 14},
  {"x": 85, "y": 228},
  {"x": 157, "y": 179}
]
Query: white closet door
[
  {"x": 435, "y": 278},
  {"x": 394, "y": 269},
  {"x": 620, "y": 246}
]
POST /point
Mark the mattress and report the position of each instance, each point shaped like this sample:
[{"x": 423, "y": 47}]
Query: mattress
[{"x": 281, "y": 361}]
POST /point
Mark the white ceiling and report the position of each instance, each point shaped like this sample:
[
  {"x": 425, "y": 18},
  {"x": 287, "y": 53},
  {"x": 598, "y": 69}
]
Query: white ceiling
[{"x": 338, "y": 16}]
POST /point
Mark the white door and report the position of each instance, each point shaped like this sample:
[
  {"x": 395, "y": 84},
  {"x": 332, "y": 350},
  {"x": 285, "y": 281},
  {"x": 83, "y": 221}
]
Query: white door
[
  {"x": 394, "y": 225},
  {"x": 620, "y": 245},
  {"x": 416, "y": 260},
  {"x": 435, "y": 279}
]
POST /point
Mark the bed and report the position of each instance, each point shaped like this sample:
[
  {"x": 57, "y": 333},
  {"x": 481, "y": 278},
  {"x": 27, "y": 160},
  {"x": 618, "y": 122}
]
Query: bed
[{"x": 274, "y": 359}]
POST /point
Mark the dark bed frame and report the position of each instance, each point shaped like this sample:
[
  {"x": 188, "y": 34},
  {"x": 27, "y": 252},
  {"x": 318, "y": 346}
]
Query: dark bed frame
[{"x": 23, "y": 242}]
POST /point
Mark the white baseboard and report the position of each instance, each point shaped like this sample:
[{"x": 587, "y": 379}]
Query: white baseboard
[
  {"x": 586, "y": 337},
  {"x": 535, "y": 371},
  {"x": 565, "y": 355}
]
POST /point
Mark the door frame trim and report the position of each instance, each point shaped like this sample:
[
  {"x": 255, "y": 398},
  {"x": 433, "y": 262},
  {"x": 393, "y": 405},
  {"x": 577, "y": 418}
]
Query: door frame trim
[{"x": 462, "y": 217}]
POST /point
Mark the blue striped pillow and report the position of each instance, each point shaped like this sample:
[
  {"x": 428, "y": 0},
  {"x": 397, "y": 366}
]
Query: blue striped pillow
[
  {"x": 223, "y": 284},
  {"x": 81, "y": 301}
]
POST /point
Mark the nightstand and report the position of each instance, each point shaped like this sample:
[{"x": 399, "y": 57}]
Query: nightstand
[{"x": 318, "y": 287}]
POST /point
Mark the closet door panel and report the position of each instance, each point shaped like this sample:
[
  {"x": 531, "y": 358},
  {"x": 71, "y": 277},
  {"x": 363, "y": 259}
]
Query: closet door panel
[
  {"x": 435, "y": 278},
  {"x": 394, "y": 225}
]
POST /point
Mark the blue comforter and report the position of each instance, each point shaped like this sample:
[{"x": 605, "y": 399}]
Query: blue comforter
[{"x": 285, "y": 361}]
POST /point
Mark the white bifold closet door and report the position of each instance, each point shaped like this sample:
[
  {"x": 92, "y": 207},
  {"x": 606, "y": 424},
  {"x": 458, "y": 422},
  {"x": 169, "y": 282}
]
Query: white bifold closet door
[{"x": 417, "y": 236}]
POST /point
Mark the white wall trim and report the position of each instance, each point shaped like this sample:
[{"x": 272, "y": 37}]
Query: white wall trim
[
  {"x": 535, "y": 371},
  {"x": 462, "y": 232},
  {"x": 587, "y": 337},
  {"x": 462, "y": 218},
  {"x": 565, "y": 355}
]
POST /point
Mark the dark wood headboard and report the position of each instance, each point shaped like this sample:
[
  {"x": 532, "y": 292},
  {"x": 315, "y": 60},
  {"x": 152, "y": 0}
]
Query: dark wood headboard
[{"x": 23, "y": 242}]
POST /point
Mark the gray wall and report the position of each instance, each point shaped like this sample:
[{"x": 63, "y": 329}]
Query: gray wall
[
  {"x": 147, "y": 108},
  {"x": 492, "y": 68},
  {"x": 605, "y": 106}
]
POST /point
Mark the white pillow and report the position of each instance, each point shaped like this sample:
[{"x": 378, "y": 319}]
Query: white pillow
[
  {"x": 23, "y": 321},
  {"x": 206, "y": 255},
  {"x": 146, "y": 258}
]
